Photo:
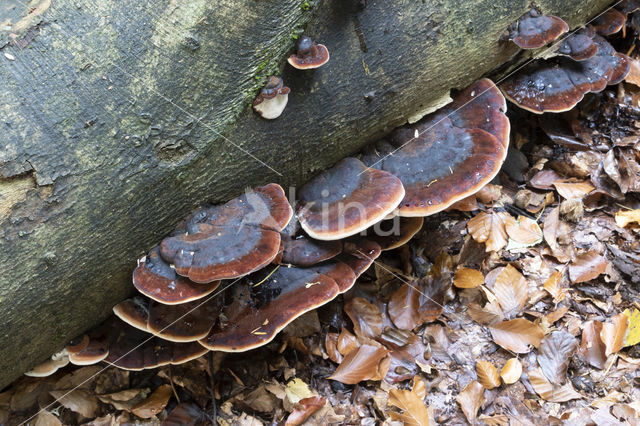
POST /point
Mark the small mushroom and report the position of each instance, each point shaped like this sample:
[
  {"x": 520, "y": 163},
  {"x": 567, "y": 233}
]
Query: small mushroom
[
  {"x": 230, "y": 240},
  {"x": 272, "y": 99},
  {"x": 534, "y": 30},
  {"x": 610, "y": 22},
  {"x": 156, "y": 279},
  {"x": 347, "y": 199},
  {"x": 309, "y": 55},
  {"x": 450, "y": 154},
  {"x": 47, "y": 368}
]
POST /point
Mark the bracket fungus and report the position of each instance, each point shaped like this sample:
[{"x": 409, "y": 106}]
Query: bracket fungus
[
  {"x": 272, "y": 99},
  {"x": 395, "y": 232},
  {"x": 300, "y": 250},
  {"x": 558, "y": 84},
  {"x": 580, "y": 45},
  {"x": 156, "y": 279},
  {"x": 450, "y": 154},
  {"x": 610, "y": 22},
  {"x": 346, "y": 199},
  {"x": 309, "y": 55},
  {"x": 534, "y": 30},
  {"x": 230, "y": 240},
  {"x": 50, "y": 366}
]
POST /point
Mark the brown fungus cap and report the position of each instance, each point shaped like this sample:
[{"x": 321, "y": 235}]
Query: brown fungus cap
[
  {"x": 534, "y": 30},
  {"x": 134, "y": 349},
  {"x": 187, "y": 322},
  {"x": 50, "y": 366},
  {"x": 450, "y": 154},
  {"x": 610, "y": 22},
  {"x": 395, "y": 232},
  {"x": 359, "y": 254},
  {"x": 347, "y": 199},
  {"x": 156, "y": 279},
  {"x": 309, "y": 55},
  {"x": 94, "y": 348},
  {"x": 262, "y": 304},
  {"x": 580, "y": 45},
  {"x": 230, "y": 240},
  {"x": 272, "y": 99},
  {"x": 304, "y": 251},
  {"x": 557, "y": 85}
]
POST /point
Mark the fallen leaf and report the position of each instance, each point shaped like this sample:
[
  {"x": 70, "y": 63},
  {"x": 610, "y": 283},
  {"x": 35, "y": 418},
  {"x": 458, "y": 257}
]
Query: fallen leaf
[
  {"x": 126, "y": 399},
  {"x": 81, "y": 401},
  {"x": 489, "y": 314},
  {"x": 347, "y": 341},
  {"x": 154, "y": 404},
  {"x": 414, "y": 410},
  {"x": 516, "y": 335},
  {"x": 553, "y": 286},
  {"x": 45, "y": 418},
  {"x": 544, "y": 179},
  {"x": 489, "y": 228},
  {"x": 633, "y": 76},
  {"x": 547, "y": 391},
  {"x": 470, "y": 400},
  {"x": 511, "y": 291},
  {"x": 511, "y": 371},
  {"x": 366, "y": 317},
  {"x": 625, "y": 217},
  {"x": 304, "y": 409},
  {"x": 554, "y": 355},
  {"x": 550, "y": 227},
  {"x": 296, "y": 390},
  {"x": 633, "y": 337},
  {"x": 360, "y": 364},
  {"x": 587, "y": 267},
  {"x": 403, "y": 307},
  {"x": 524, "y": 230},
  {"x": 592, "y": 347},
  {"x": 331, "y": 347},
  {"x": 185, "y": 414},
  {"x": 571, "y": 189},
  {"x": 489, "y": 193},
  {"x": 467, "y": 278},
  {"x": 613, "y": 333},
  {"x": 487, "y": 374}
]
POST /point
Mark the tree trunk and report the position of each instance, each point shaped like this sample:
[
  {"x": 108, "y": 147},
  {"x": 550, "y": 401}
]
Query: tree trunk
[{"x": 120, "y": 117}]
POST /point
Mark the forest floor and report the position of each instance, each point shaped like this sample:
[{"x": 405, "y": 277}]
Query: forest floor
[{"x": 520, "y": 305}]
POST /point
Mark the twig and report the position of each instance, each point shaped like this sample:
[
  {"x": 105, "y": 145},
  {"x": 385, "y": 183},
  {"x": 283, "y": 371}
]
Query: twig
[
  {"x": 214, "y": 407},
  {"x": 173, "y": 387}
]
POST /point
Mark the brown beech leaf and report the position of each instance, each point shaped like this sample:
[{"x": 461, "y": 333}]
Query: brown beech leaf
[
  {"x": 331, "y": 347},
  {"x": 304, "y": 409},
  {"x": 185, "y": 414},
  {"x": 625, "y": 217},
  {"x": 468, "y": 278},
  {"x": 554, "y": 287},
  {"x": 544, "y": 179},
  {"x": 489, "y": 314},
  {"x": 511, "y": 291},
  {"x": 592, "y": 347},
  {"x": 571, "y": 189},
  {"x": 414, "y": 410},
  {"x": 554, "y": 355},
  {"x": 347, "y": 342},
  {"x": 550, "y": 227},
  {"x": 489, "y": 193},
  {"x": 517, "y": 335},
  {"x": 613, "y": 333},
  {"x": 360, "y": 364},
  {"x": 587, "y": 267},
  {"x": 633, "y": 76},
  {"x": 470, "y": 400},
  {"x": 489, "y": 228},
  {"x": 154, "y": 404},
  {"x": 45, "y": 418},
  {"x": 511, "y": 371},
  {"x": 468, "y": 204},
  {"x": 549, "y": 392},
  {"x": 487, "y": 374},
  {"x": 366, "y": 317},
  {"x": 403, "y": 307},
  {"x": 524, "y": 230},
  {"x": 434, "y": 287},
  {"x": 80, "y": 401}
]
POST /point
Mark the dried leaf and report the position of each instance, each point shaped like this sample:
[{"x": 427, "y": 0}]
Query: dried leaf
[
  {"x": 489, "y": 228},
  {"x": 550, "y": 232},
  {"x": 511, "y": 291},
  {"x": 414, "y": 410},
  {"x": 633, "y": 336},
  {"x": 511, "y": 371},
  {"x": 81, "y": 401},
  {"x": 154, "y": 404},
  {"x": 470, "y": 400},
  {"x": 490, "y": 314},
  {"x": 554, "y": 355},
  {"x": 571, "y": 189},
  {"x": 524, "y": 230},
  {"x": 366, "y": 317},
  {"x": 468, "y": 278},
  {"x": 633, "y": 76},
  {"x": 347, "y": 342},
  {"x": 587, "y": 267},
  {"x": 45, "y": 418},
  {"x": 487, "y": 374},
  {"x": 360, "y": 364},
  {"x": 544, "y": 179},
  {"x": 331, "y": 347},
  {"x": 489, "y": 193},
  {"x": 592, "y": 347},
  {"x": 185, "y": 414},
  {"x": 296, "y": 390},
  {"x": 403, "y": 307},
  {"x": 625, "y": 217},
  {"x": 613, "y": 333},
  {"x": 516, "y": 335},
  {"x": 547, "y": 391},
  {"x": 554, "y": 287},
  {"x": 304, "y": 409}
]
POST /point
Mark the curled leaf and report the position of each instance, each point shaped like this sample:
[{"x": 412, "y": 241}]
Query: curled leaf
[
  {"x": 517, "y": 335},
  {"x": 487, "y": 374},
  {"x": 360, "y": 364},
  {"x": 613, "y": 333},
  {"x": 554, "y": 355},
  {"x": 511, "y": 371},
  {"x": 468, "y": 278},
  {"x": 304, "y": 409},
  {"x": 470, "y": 400},
  {"x": 366, "y": 317},
  {"x": 489, "y": 228}
]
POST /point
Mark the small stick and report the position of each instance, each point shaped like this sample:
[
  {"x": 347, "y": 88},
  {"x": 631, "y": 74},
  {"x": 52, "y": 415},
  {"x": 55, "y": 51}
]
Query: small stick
[
  {"x": 173, "y": 387},
  {"x": 214, "y": 408}
]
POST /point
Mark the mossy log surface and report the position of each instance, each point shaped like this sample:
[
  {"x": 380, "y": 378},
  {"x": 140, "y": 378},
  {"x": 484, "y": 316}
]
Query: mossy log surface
[{"x": 118, "y": 118}]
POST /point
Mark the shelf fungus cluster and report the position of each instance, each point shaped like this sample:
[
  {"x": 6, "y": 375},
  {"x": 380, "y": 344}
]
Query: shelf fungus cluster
[
  {"x": 231, "y": 276},
  {"x": 273, "y": 97},
  {"x": 583, "y": 62}
]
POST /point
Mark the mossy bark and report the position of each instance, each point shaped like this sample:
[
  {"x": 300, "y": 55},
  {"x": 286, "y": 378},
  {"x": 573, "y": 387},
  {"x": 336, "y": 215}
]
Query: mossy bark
[{"x": 117, "y": 118}]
